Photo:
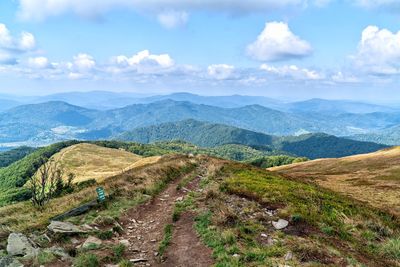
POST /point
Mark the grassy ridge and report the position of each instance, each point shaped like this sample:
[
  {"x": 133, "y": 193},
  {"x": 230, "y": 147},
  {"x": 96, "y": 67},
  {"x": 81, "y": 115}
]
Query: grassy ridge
[{"x": 325, "y": 228}]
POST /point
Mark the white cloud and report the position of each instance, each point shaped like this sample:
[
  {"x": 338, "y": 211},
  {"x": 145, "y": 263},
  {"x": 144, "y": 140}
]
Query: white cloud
[
  {"x": 293, "y": 71},
  {"x": 27, "y": 41},
  {"x": 173, "y": 19},
  {"x": 39, "y": 62},
  {"x": 5, "y": 37},
  {"x": 84, "y": 62},
  {"x": 220, "y": 71},
  {"x": 276, "y": 42},
  {"x": 378, "y": 51},
  {"x": 12, "y": 47},
  {"x": 341, "y": 77},
  {"x": 142, "y": 62}
]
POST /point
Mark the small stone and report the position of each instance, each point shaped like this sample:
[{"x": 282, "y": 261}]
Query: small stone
[
  {"x": 236, "y": 255},
  {"x": 289, "y": 256},
  {"x": 280, "y": 224},
  {"x": 179, "y": 199},
  {"x": 65, "y": 228},
  {"x": 137, "y": 260},
  {"x": 91, "y": 242},
  {"x": 153, "y": 240},
  {"x": 124, "y": 242},
  {"x": 156, "y": 254},
  {"x": 264, "y": 235}
]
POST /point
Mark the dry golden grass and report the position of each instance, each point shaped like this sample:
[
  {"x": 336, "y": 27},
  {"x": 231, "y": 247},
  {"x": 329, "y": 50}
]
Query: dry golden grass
[
  {"x": 89, "y": 161},
  {"x": 373, "y": 178},
  {"x": 128, "y": 187}
]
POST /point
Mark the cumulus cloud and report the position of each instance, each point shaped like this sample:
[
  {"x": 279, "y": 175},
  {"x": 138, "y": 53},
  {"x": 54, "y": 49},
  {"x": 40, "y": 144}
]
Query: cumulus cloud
[
  {"x": 38, "y": 62},
  {"x": 142, "y": 62},
  {"x": 25, "y": 42},
  {"x": 293, "y": 71},
  {"x": 378, "y": 51},
  {"x": 84, "y": 62},
  {"x": 220, "y": 71},
  {"x": 11, "y": 47},
  {"x": 276, "y": 42}
]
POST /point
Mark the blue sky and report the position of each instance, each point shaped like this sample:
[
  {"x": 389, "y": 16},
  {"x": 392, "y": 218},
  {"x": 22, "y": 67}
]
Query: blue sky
[{"x": 289, "y": 49}]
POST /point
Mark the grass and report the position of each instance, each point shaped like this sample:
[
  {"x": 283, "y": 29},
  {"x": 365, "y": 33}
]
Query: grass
[
  {"x": 45, "y": 257},
  {"x": 213, "y": 239},
  {"x": 391, "y": 249},
  {"x": 127, "y": 190},
  {"x": 166, "y": 240},
  {"x": 86, "y": 260},
  {"x": 182, "y": 206},
  {"x": 89, "y": 161},
  {"x": 118, "y": 252},
  {"x": 325, "y": 228},
  {"x": 372, "y": 178}
]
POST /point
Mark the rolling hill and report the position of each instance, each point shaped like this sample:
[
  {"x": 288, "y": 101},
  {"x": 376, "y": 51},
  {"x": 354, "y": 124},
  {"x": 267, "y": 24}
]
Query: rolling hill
[
  {"x": 317, "y": 105},
  {"x": 199, "y": 133},
  {"x": 209, "y": 135},
  {"x": 372, "y": 178},
  {"x": 388, "y": 136},
  {"x": 89, "y": 161}
]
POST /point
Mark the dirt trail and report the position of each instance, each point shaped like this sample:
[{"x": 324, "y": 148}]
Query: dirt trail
[{"x": 144, "y": 229}]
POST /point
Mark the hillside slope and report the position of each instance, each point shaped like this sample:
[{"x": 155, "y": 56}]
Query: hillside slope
[
  {"x": 89, "y": 161},
  {"x": 210, "y": 135},
  {"x": 199, "y": 133},
  {"x": 373, "y": 178},
  {"x": 219, "y": 212}
]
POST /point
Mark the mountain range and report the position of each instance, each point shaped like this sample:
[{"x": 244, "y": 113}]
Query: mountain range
[
  {"x": 210, "y": 135},
  {"x": 47, "y": 122}
]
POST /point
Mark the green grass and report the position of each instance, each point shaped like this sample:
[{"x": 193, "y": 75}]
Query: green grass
[
  {"x": 318, "y": 207},
  {"x": 212, "y": 238},
  {"x": 86, "y": 260},
  {"x": 118, "y": 252},
  {"x": 391, "y": 248},
  {"x": 45, "y": 257},
  {"x": 181, "y": 207},
  {"x": 168, "y": 229}
]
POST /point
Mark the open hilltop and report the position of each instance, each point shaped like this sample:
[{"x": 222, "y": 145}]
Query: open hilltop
[{"x": 373, "y": 178}]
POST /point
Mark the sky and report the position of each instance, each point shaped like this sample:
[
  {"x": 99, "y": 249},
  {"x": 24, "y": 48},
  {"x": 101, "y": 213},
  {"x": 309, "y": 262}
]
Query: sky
[{"x": 288, "y": 49}]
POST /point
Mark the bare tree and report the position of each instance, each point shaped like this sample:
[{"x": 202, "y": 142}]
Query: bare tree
[{"x": 47, "y": 183}]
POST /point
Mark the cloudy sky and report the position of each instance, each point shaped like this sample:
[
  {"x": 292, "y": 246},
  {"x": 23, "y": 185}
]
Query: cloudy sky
[{"x": 291, "y": 49}]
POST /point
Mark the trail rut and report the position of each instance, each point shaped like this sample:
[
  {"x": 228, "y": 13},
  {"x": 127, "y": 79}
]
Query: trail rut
[{"x": 144, "y": 229}]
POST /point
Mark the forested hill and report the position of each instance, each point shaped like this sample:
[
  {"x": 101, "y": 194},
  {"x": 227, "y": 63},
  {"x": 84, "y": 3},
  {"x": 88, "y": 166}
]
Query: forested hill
[
  {"x": 200, "y": 133},
  {"x": 208, "y": 135}
]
